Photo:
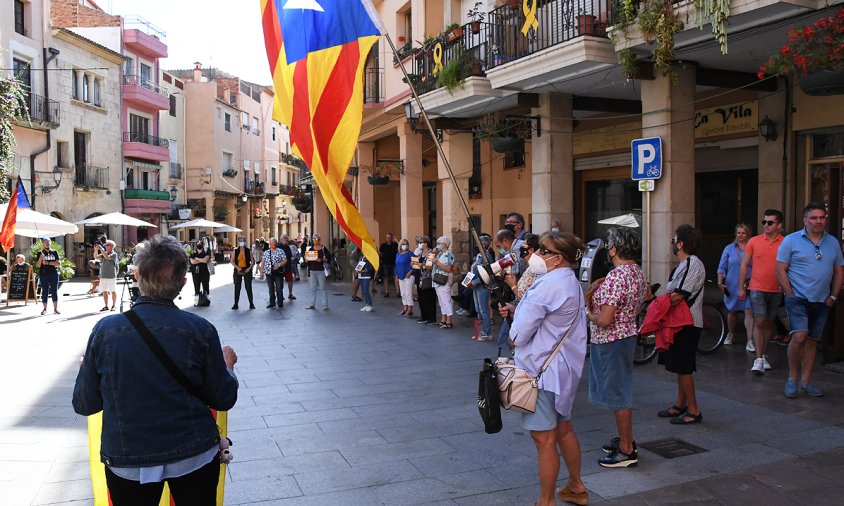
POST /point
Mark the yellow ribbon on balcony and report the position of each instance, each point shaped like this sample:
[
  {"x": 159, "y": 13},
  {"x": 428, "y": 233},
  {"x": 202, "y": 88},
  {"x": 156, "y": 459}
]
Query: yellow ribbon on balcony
[
  {"x": 530, "y": 17},
  {"x": 438, "y": 59}
]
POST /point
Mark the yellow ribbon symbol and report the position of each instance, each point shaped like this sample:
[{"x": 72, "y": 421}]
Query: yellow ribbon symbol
[
  {"x": 438, "y": 59},
  {"x": 530, "y": 17}
]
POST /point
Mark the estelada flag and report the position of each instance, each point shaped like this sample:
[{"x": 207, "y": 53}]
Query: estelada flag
[
  {"x": 19, "y": 200},
  {"x": 317, "y": 50}
]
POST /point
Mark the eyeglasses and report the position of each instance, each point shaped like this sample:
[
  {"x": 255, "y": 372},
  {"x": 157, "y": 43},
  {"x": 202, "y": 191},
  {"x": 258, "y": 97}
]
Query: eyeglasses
[
  {"x": 545, "y": 251},
  {"x": 610, "y": 245},
  {"x": 674, "y": 240},
  {"x": 770, "y": 223},
  {"x": 818, "y": 255},
  {"x": 523, "y": 252}
]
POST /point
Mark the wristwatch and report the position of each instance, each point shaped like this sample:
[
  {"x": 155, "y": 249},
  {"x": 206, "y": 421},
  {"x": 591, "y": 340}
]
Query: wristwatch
[{"x": 834, "y": 298}]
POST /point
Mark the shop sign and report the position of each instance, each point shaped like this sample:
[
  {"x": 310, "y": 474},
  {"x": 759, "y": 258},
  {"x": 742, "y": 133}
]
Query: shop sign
[
  {"x": 184, "y": 214},
  {"x": 727, "y": 120},
  {"x": 647, "y": 158},
  {"x": 603, "y": 139}
]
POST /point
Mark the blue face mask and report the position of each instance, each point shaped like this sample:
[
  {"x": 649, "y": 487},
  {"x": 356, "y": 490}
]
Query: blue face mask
[
  {"x": 242, "y": 244},
  {"x": 502, "y": 251}
]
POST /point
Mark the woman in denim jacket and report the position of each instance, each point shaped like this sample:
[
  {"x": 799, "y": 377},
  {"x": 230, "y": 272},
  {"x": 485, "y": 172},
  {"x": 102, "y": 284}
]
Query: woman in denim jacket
[{"x": 153, "y": 429}]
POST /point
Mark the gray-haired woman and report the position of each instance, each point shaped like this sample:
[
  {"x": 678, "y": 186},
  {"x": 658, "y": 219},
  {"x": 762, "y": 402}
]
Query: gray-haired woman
[
  {"x": 153, "y": 429},
  {"x": 613, "y": 307},
  {"x": 443, "y": 263}
]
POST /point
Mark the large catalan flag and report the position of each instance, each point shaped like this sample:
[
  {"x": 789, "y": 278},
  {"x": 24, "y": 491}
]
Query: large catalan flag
[
  {"x": 317, "y": 50},
  {"x": 19, "y": 200}
]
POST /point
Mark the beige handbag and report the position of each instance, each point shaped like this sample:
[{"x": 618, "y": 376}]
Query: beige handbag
[{"x": 519, "y": 388}]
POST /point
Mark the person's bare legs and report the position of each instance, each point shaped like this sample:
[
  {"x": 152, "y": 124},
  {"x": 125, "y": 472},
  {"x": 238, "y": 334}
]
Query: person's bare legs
[
  {"x": 731, "y": 322},
  {"x": 686, "y": 394},
  {"x": 624, "y": 424},
  {"x": 105, "y": 299},
  {"x": 797, "y": 348},
  {"x": 549, "y": 464},
  {"x": 748, "y": 324},
  {"x": 355, "y": 288},
  {"x": 570, "y": 449},
  {"x": 762, "y": 335}
]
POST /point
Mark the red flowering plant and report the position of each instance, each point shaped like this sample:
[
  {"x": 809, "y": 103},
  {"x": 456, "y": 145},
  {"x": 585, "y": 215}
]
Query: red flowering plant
[{"x": 815, "y": 47}]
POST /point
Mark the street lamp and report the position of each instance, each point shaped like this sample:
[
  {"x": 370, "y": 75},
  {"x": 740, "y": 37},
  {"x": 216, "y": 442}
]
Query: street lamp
[{"x": 244, "y": 198}]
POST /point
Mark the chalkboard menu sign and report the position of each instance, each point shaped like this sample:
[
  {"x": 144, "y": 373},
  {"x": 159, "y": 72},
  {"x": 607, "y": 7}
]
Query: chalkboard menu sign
[{"x": 20, "y": 285}]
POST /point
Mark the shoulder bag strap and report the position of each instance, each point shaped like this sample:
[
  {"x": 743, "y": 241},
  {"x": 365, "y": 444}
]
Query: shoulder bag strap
[
  {"x": 560, "y": 342},
  {"x": 162, "y": 356}
]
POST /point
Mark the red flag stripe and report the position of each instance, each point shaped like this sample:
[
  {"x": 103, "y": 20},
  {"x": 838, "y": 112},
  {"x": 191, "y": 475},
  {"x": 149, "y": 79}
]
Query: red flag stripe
[
  {"x": 335, "y": 100},
  {"x": 300, "y": 125},
  {"x": 272, "y": 34},
  {"x": 341, "y": 220}
]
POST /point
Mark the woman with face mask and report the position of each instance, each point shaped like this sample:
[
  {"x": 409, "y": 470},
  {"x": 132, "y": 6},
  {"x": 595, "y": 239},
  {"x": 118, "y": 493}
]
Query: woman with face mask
[
  {"x": 199, "y": 268},
  {"x": 404, "y": 276},
  {"x": 427, "y": 294},
  {"x": 242, "y": 261},
  {"x": 553, "y": 308},
  {"x": 613, "y": 307},
  {"x": 443, "y": 264}
]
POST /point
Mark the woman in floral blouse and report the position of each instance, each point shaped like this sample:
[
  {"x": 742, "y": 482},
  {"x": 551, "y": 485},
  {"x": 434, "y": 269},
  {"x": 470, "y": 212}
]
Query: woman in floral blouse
[{"x": 613, "y": 306}]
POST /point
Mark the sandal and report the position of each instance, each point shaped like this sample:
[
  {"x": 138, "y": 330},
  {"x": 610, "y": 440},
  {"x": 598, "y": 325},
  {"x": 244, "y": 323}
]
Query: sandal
[
  {"x": 687, "y": 418},
  {"x": 566, "y": 494},
  {"x": 671, "y": 412},
  {"x": 43, "y": 312}
]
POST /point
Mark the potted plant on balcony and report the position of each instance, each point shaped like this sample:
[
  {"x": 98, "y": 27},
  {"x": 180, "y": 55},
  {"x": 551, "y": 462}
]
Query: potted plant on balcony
[
  {"x": 452, "y": 74},
  {"x": 230, "y": 173},
  {"x": 476, "y": 16},
  {"x": 814, "y": 54},
  {"x": 220, "y": 212},
  {"x": 585, "y": 23},
  {"x": 453, "y": 32},
  {"x": 505, "y": 135}
]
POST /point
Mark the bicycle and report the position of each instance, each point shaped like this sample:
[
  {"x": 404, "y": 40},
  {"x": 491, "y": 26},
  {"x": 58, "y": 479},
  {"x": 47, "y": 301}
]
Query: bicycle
[
  {"x": 336, "y": 268},
  {"x": 712, "y": 334}
]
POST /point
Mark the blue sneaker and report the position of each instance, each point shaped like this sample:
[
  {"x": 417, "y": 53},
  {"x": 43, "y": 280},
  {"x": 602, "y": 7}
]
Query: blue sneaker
[
  {"x": 811, "y": 390},
  {"x": 791, "y": 389}
]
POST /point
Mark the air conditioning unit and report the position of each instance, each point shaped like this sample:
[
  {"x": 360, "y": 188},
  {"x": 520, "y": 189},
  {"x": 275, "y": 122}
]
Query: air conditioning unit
[
  {"x": 122, "y": 184},
  {"x": 208, "y": 171}
]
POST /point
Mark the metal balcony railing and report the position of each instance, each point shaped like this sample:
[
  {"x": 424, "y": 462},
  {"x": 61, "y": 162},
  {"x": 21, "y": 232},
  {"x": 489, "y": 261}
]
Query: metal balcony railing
[
  {"x": 473, "y": 49},
  {"x": 373, "y": 86},
  {"x": 89, "y": 176},
  {"x": 42, "y": 111},
  {"x": 287, "y": 189},
  {"x": 139, "y": 23},
  {"x": 138, "y": 81},
  {"x": 251, "y": 186},
  {"x": 146, "y": 139},
  {"x": 175, "y": 170}
]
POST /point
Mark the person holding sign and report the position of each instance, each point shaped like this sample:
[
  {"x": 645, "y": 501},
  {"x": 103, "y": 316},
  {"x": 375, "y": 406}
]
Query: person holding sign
[
  {"x": 365, "y": 272},
  {"x": 48, "y": 270},
  {"x": 404, "y": 276},
  {"x": 317, "y": 258},
  {"x": 108, "y": 274}
]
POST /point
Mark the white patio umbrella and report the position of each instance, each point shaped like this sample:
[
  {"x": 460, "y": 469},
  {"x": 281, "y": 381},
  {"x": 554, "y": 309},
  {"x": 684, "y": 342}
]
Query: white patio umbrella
[
  {"x": 34, "y": 224},
  {"x": 625, "y": 220},
  {"x": 200, "y": 223},
  {"x": 116, "y": 219},
  {"x": 226, "y": 229}
]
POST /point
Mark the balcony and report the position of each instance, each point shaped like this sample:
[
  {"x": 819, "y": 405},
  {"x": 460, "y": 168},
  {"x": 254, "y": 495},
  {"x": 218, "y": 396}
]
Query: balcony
[
  {"x": 287, "y": 189},
  {"x": 175, "y": 170},
  {"x": 43, "y": 113},
  {"x": 141, "y": 36},
  {"x": 145, "y": 147},
  {"x": 254, "y": 187},
  {"x": 145, "y": 94},
  {"x": 373, "y": 86},
  {"x": 88, "y": 176},
  {"x": 137, "y": 201}
]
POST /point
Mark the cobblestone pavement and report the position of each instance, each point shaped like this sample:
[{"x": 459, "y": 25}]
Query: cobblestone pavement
[{"x": 344, "y": 407}]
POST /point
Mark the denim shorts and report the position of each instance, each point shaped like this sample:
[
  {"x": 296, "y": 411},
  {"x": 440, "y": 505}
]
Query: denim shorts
[
  {"x": 611, "y": 374},
  {"x": 765, "y": 304},
  {"x": 805, "y": 316},
  {"x": 545, "y": 417}
]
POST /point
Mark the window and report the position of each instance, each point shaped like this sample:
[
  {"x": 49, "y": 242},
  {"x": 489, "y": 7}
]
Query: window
[
  {"x": 129, "y": 67},
  {"x": 138, "y": 128},
  {"x": 228, "y": 161},
  {"x": 146, "y": 72},
  {"x": 227, "y": 123},
  {"x": 255, "y": 129},
  {"x": 96, "y": 94},
  {"x": 408, "y": 25},
  {"x": 274, "y": 175},
  {"x": 246, "y": 166},
  {"x": 63, "y": 154},
  {"x": 257, "y": 169},
  {"x": 219, "y": 113},
  {"x": 273, "y": 133},
  {"x": 20, "y": 20},
  {"x": 85, "y": 96},
  {"x": 74, "y": 85},
  {"x": 173, "y": 105},
  {"x": 244, "y": 120}
]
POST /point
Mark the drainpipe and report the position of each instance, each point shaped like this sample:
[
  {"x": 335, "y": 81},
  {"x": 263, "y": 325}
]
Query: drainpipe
[{"x": 32, "y": 156}]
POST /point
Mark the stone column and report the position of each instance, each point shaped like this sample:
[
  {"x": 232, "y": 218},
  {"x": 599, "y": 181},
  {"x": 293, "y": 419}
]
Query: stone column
[
  {"x": 365, "y": 198},
  {"x": 245, "y": 216},
  {"x": 552, "y": 166},
  {"x": 771, "y": 190},
  {"x": 274, "y": 228},
  {"x": 410, "y": 149},
  {"x": 458, "y": 150},
  {"x": 668, "y": 112}
]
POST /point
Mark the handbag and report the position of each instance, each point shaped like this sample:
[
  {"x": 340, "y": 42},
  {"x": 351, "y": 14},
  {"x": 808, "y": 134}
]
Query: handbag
[
  {"x": 201, "y": 300},
  {"x": 489, "y": 401},
  {"x": 440, "y": 278},
  {"x": 517, "y": 387},
  {"x": 425, "y": 283},
  {"x": 157, "y": 350}
]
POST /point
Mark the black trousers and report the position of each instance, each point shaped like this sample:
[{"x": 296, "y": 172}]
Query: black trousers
[
  {"x": 428, "y": 304},
  {"x": 200, "y": 283},
  {"x": 245, "y": 279},
  {"x": 198, "y": 488}
]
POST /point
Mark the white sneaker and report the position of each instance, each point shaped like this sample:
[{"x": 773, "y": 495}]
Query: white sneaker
[
  {"x": 765, "y": 364},
  {"x": 750, "y": 348},
  {"x": 758, "y": 367},
  {"x": 482, "y": 338},
  {"x": 368, "y": 309},
  {"x": 729, "y": 339},
  {"x": 364, "y": 308}
]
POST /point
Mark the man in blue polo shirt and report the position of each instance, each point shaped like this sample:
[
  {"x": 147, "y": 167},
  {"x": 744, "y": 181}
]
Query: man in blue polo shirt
[{"x": 810, "y": 268}]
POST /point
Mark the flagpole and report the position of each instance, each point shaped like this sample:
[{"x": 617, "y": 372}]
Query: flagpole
[{"x": 424, "y": 115}]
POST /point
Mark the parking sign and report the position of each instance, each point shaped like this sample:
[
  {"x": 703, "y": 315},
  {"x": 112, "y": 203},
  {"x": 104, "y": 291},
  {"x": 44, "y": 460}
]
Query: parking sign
[{"x": 647, "y": 158}]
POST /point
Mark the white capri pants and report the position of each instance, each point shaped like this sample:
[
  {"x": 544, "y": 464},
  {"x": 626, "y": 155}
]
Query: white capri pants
[
  {"x": 444, "y": 297},
  {"x": 406, "y": 288}
]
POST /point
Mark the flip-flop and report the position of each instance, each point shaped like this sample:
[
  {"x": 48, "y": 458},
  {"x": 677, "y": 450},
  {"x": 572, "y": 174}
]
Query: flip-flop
[{"x": 682, "y": 419}]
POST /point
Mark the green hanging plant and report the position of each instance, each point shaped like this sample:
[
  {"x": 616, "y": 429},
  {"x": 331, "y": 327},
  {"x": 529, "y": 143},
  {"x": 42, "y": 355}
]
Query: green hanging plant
[
  {"x": 13, "y": 106},
  {"x": 629, "y": 63},
  {"x": 658, "y": 23},
  {"x": 452, "y": 75}
]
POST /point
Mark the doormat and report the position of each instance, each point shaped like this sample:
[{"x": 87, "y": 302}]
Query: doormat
[{"x": 671, "y": 448}]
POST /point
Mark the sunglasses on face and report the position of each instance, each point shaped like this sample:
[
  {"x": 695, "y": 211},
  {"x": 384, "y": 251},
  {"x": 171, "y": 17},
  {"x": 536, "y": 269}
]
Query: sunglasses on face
[
  {"x": 545, "y": 251},
  {"x": 770, "y": 223},
  {"x": 523, "y": 252},
  {"x": 818, "y": 255}
]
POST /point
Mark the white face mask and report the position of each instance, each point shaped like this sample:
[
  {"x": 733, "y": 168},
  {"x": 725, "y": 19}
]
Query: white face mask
[
  {"x": 555, "y": 229},
  {"x": 404, "y": 247},
  {"x": 537, "y": 265}
]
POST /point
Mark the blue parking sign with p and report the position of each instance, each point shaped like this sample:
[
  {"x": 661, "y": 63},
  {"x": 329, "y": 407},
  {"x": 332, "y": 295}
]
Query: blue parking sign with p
[{"x": 647, "y": 158}]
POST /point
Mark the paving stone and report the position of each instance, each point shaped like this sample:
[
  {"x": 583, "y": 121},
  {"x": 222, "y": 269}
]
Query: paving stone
[
  {"x": 305, "y": 417},
  {"x": 357, "y": 497},
  {"x": 332, "y": 480},
  {"x": 253, "y": 491},
  {"x": 361, "y": 455},
  {"x": 285, "y": 466},
  {"x": 76, "y": 490},
  {"x": 741, "y": 489}
]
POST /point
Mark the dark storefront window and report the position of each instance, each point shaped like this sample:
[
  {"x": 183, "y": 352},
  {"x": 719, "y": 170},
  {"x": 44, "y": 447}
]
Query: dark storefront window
[{"x": 606, "y": 199}]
